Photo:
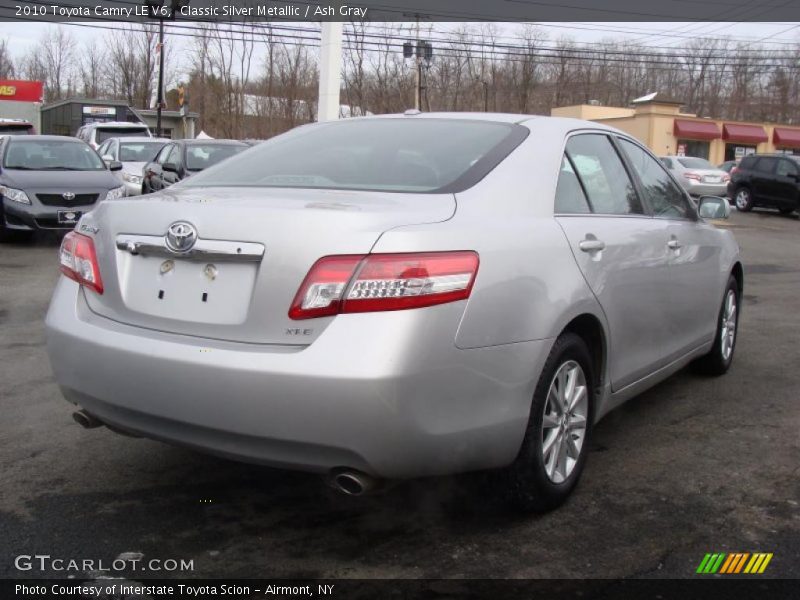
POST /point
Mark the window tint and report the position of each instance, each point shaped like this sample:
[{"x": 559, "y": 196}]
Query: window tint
[
  {"x": 665, "y": 198},
  {"x": 786, "y": 168},
  {"x": 393, "y": 155},
  {"x": 764, "y": 165},
  {"x": 139, "y": 151},
  {"x": 603, "y": 175},
  {"x": 570, "y": 198}
]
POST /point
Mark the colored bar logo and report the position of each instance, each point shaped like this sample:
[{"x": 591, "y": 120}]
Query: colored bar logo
[{"x": 734, "y": 563}]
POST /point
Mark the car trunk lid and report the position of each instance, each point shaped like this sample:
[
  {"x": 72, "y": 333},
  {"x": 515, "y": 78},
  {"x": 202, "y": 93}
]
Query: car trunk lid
[{"x": 254, "y": 247}]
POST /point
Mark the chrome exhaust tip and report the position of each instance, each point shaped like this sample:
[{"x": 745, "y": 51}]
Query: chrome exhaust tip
[
  {"x": 353, "y": 483},
  {"x": 85, "y": 420}
]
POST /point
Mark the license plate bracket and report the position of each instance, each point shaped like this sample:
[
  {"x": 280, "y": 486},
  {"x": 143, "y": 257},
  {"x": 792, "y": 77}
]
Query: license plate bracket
[{"x": 68, "y": 217}]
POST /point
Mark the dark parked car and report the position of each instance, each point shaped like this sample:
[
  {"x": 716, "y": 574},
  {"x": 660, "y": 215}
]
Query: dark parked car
[
  {"x": 182, "y": 158},
  {"x": 49, "y": 181},
  {"x": 766, "y": 180}
]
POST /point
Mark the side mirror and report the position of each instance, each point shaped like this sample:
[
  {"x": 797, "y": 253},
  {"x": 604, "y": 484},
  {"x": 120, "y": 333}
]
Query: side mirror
[
  {"x": 108, "y": 158},
  {"x": 714, "y": 207},
  {"x": 114, "y": 165},
  {"x": 169, "y": 166}
]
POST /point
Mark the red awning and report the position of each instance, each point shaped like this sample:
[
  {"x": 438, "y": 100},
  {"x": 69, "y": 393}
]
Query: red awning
[
  {"x": 696, "y": 130},
  {"x": 744, "y": 133},
  {"x": 788, "y": 138}
]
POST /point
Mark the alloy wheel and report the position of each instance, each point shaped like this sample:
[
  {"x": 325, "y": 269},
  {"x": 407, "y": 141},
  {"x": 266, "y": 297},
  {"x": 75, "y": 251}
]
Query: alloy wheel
[
  {"x": 728, "y": 330},
  {"x": 742, "y": 199},
  {"x": 564, "y": 421}
]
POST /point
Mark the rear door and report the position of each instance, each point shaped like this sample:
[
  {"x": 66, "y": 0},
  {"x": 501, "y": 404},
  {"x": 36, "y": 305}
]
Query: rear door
[
  {"x": 621, "y": 251},
  {"x": 693, "y": 251},
  {"x": 762, "y": 178}
]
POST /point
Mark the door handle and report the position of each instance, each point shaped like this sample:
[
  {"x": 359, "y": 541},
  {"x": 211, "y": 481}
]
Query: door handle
[
  {"x": 673, "y": 245},
  {"x": 591, "y": 245}
]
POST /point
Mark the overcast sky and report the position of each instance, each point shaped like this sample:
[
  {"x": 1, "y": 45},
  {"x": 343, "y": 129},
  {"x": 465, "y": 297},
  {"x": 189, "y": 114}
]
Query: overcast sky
[{"x": 22, "y": 36}]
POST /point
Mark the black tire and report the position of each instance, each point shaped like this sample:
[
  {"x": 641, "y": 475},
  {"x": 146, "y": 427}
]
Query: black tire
[
  {"x": 786, "y": 211},
  {"x": 716, "y": 363},
  {"x": 11, "y": 235},
  {"x": 530, "y": 487},
  {"x": 743, "y": 199}
]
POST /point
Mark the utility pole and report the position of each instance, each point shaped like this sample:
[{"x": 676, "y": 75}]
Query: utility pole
[
  {"x": 330, "y": 71},
  {"x": 160, "y": 96},
  {"x": 422, "y": 52}
]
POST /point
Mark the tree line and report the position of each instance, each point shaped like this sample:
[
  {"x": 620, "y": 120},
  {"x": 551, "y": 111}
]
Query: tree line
[{"x": 255, "y": 80}]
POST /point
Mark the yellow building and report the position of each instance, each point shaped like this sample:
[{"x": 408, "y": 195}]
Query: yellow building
[{"x": 658, "y": 122}]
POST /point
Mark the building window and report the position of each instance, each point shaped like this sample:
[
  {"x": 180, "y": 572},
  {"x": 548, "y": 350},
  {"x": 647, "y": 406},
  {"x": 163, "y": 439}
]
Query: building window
[
  {"x": 694, "y": 148},
  {"x": 737, "y": 151}
]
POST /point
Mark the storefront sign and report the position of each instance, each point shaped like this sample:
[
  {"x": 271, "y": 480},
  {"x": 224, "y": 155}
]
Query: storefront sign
[
  {"x": 100, "y": 111},
  {"x": 21, "y": 91}
]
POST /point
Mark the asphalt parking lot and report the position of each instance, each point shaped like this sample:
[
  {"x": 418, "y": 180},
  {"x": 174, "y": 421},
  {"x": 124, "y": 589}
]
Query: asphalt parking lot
[{"x": 695, "y": 465}]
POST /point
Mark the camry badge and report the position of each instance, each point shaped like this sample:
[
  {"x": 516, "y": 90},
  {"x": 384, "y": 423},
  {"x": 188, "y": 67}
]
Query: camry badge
[
  {"x": 68, "y": 196},
  {"x": 181, "y": 236}
]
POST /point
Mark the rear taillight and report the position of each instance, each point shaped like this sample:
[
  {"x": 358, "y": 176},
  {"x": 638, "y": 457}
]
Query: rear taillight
[
  {"x": 378, "y": 282},
  {"x": 734, "y": 170},
  {"x": 79, "y": 261},
  {"x": 692, "y": 175},
  {"x": 726, "y": 178}
]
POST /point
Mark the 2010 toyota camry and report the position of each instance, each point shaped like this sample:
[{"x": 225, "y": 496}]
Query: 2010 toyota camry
[{"x": 399, "y": 296}]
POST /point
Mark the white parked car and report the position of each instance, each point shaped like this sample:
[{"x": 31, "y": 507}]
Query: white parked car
[
  {"x": 95, "y": 134},
  {"x": 134, "y": 153}
]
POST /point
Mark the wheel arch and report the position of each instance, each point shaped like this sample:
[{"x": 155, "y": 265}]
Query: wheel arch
[
  {"x": 589, "y": 328},
  {"x": 738, "y": 274}
]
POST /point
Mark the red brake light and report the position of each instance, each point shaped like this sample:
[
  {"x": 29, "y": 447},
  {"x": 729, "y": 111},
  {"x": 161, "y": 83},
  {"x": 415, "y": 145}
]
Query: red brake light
[
  {"x": 79, "y": 261},
  {"x": 379, "y": 282},
  {"x": 734, "y": 170},
  {"x": 692, "y": 175}
]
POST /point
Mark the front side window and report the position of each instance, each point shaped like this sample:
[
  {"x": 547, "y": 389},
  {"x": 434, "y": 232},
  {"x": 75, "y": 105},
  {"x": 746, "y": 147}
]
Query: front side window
[
  {"x": 51, "y": 155},
  {"x": 162, "y": 156},
  {"x": 665, "y": 198},
  {"x": 609, "y": 189},
  {"x": 764, "y": 165},
  {"x": 570, "y": 198},
  {"x": 408, "y": 154}
]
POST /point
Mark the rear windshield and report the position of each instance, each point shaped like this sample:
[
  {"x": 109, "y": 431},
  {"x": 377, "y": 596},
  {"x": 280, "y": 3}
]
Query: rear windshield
[
  {"x": 103, "y": 133},
  {"x": 16, "y": 129},
  {"x": 696, "y": 163},
  {"x": 35, "y": 154},
  {"x": 207, "y": 155},
  {"x": 139, "y": 151},
  {"x": 393, "y": 155}
]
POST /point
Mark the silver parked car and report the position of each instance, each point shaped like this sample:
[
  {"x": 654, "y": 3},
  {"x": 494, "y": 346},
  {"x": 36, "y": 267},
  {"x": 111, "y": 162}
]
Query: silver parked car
[
  {"x": 397, "y": 296},
  {"x": 698, "y": 176},
  {"x": 134, "y": 153}
]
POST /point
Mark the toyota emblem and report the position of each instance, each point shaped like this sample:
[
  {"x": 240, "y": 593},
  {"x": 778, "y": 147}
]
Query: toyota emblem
[
  {"x": 68, "y": 196},
  {"x": 181, "y": 236}
]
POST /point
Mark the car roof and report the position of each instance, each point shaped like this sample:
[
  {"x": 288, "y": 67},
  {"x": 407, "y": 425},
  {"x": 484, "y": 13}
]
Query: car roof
[
  {"x": 211, "y": 142},
  {"x": 47, "y": 138},
  {"x": 116, "y": 125},
  {"x": 139, "y": 138}
]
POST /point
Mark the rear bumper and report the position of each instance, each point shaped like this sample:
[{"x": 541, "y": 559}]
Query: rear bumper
[
  {"x": 385, "y": 393},
  {"x": 708, "y": 189}
]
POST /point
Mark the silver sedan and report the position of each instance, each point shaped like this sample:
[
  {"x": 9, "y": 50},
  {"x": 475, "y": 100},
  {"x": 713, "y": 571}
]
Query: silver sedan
[{"x": 397, "y": 296}]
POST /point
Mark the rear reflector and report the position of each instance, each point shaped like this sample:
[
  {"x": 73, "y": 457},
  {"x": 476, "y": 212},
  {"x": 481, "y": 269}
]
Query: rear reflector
[
  {"x": 378, "y": 282},
  {"x": 79, "y": 261}
]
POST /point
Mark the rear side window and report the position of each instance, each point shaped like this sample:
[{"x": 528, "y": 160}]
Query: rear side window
[
  {"x": 764, "y": 165},
  {"x": 570, "y": 198},
  {"x": 598, "y": 166},
  {"x": 394, "y": 155},
  {"x": 665, "y": 198}
]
